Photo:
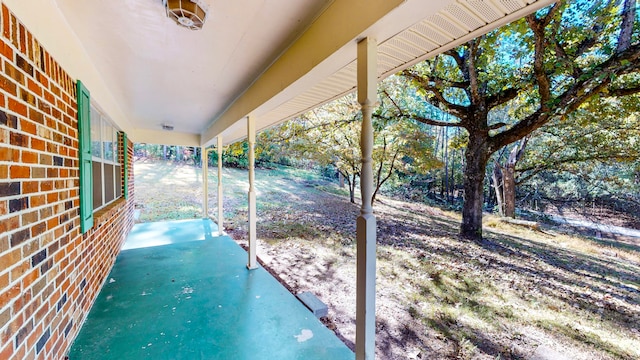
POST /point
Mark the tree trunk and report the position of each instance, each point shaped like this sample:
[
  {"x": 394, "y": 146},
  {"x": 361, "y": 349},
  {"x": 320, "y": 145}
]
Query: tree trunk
[
  {"x": 452, "y": 185},
  {"x": 446, "y": 163},
  {"x": 496, "y": 177},
  {"x": 352, "y": 189},
  {"x": 474, "y": 172},
  {"x": 509, "y": 178},
  {"x": 530, "y": 224},
  {"x": 509, "y": 191}
]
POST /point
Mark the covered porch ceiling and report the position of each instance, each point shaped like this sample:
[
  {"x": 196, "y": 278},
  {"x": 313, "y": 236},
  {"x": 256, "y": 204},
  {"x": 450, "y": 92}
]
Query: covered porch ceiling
[{"x": 272, "y": 59}]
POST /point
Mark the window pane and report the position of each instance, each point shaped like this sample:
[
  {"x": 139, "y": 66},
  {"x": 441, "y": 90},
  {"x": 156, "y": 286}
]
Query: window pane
[
  {"x": 109, "y": 183},
  {"x": 95, "y": 132},
  {"x": 97, "y": 185},
  {"x": 107, "y": 171},
  {"x": 107, "y": 141}
]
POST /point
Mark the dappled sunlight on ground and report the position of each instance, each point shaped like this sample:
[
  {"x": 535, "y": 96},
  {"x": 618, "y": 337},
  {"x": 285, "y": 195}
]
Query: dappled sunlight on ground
[{"x": 439, "y": 296}]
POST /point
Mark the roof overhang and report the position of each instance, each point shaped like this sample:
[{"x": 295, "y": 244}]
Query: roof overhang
[
  {"x": 407, "y": 32},
  {"x": 272, "y": 59}
]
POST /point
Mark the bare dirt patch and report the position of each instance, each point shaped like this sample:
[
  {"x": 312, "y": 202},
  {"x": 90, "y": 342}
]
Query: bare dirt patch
[{"x": 439, "y": 296}]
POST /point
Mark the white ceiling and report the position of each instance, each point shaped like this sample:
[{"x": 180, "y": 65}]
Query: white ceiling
[
  {"x": 270, "y": 58},
  {"x": 163, "y": 73}
]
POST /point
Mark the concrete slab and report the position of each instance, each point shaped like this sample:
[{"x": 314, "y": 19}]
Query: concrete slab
[{"x": 197, "y": 300}]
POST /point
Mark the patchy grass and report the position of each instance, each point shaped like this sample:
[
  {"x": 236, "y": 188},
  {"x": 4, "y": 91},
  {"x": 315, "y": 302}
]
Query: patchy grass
[
  {"x": 438, "y": 296},
  {"x": 167, "y": 191}
]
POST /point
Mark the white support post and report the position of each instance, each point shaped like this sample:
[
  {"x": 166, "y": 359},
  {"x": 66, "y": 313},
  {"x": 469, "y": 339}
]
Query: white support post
[
  {"x": 366, "y": 222},
  {"x": 220, "y": 212},
  {"x": 205, "y": 182},
  {"x": 251, "y": 138}
]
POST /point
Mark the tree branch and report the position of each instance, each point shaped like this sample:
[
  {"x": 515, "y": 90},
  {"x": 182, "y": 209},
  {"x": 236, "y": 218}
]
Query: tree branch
[
  {"x": 623, "y": 92},
  {"x": 461, "y": 61},
  {"x": 388, "y": 175},
  {"x": 562, "y": 55},
  {"x": 456, "y": 110},
  {"x": 395, "y": 104},
  {"x": 542, "y": 78},
  {"x": 429, "y": 121},
  {"x": 497, "y": 126},
  {"x": 474, "y": 86},
  {"x": 456, "y": 57},
  {"x": 502, "y": 97},
  {"x": 573, "y": 97},
  {"x": 517, "y": 152},
  {"x": 555, "y": 165}
]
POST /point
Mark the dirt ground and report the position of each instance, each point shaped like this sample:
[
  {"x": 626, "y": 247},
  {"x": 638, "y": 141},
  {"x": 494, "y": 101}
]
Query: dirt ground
[
  {"x": 596, "y": 213},
  {"x": 515, "y": 294}
]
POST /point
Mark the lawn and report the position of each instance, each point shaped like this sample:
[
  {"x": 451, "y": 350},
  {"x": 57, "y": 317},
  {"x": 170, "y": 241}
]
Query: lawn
[{"x": 518, "y": 293}]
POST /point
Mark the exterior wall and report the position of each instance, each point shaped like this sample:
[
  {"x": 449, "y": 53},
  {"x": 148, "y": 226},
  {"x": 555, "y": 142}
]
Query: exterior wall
[{"x": 50, "y": 273}]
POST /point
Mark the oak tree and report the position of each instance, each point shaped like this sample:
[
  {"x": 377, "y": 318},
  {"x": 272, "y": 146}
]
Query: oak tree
[{"x": 547, "y": 65}]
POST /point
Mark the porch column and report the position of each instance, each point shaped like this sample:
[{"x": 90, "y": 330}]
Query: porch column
[
  {"x": 220, "y": 212},
  {"x": 205, "y": 182},
  {"x": 366, "y": 222},
  {"x": 251, "y": 138}
]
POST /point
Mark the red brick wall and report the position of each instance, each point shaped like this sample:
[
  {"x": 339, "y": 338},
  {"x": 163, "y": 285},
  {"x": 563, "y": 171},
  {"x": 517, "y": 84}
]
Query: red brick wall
[{"x": 50, "y": 274}]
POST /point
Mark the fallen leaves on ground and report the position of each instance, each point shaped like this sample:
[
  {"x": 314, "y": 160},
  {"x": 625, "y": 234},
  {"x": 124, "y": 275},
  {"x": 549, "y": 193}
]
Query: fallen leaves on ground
[{"x": 440, "y": 296}]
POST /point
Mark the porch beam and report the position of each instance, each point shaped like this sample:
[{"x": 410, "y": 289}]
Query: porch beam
[
  {"x": 366, "y": 222},
  {"x": 220, "y": 202},
  {"x": 332, "y": 30},
  {"x": 205, "y": 182},
  {"x": 251, "y": 138}
]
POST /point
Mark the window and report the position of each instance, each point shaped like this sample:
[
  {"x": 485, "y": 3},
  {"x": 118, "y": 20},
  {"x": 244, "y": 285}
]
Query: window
[
  {"x": 101, "y": 175},
  {"x": 107, "y": 170}
]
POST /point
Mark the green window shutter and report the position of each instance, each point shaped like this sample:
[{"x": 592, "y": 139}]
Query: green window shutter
[
  {"x": 86, "y": 170},
  {"x": 125, "y": 160}
]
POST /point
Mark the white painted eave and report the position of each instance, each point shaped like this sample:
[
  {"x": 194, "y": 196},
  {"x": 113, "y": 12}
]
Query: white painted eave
[
  {"x": 317, "y": 53},
  {"x": 414, "y": 24}
]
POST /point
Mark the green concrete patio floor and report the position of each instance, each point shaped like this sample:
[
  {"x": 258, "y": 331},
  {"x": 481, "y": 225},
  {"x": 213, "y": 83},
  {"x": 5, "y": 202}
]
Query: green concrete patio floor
[{"x": 178, "y": 292}]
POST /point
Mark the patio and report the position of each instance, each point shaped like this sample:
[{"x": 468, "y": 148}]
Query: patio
[
  {"x": 132, "y": 72},
  {"x": 178, "y": 292}
]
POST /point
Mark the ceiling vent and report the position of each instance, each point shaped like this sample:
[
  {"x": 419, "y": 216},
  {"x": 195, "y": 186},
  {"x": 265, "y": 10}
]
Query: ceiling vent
[{"x": 187, "y": 13}]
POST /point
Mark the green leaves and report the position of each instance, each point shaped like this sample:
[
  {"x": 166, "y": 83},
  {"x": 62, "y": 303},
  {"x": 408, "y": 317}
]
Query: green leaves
[{"x": 603, "y": 134}]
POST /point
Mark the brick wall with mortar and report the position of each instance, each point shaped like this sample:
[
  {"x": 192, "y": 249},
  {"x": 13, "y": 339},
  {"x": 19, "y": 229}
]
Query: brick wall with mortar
[{"x": 50, "y": 273}]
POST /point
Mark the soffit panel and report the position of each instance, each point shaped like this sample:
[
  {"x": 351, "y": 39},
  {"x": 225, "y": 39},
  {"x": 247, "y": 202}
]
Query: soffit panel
[{"x": 456, "y": 22}]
